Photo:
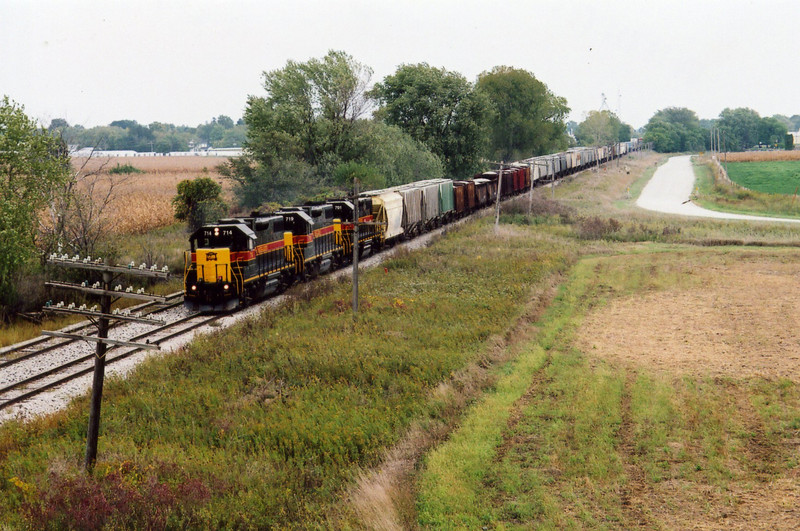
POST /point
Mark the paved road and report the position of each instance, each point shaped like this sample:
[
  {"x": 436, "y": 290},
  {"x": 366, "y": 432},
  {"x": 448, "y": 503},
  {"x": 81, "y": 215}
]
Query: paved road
[{"x": 670, "y": 187}]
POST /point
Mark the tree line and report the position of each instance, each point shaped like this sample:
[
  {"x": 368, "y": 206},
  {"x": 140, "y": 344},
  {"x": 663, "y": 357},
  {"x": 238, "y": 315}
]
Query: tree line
[
  {"x": 219, "y": 132},
  {"x": 322, "y": 123},
  {"x": 678, "y": 129}
]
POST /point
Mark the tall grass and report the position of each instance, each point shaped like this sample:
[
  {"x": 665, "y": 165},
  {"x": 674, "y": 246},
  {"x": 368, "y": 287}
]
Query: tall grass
[{"x": 760, "y": 156}]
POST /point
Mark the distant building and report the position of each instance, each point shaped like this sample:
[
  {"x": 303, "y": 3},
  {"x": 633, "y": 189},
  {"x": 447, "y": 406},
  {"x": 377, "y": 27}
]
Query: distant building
[
  {"x": 209, "y": 152},
  {"x": 796, "y": 139}
]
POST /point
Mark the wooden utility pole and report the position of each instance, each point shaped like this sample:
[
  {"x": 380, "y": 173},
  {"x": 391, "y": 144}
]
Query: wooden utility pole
[
  {"x": 497, "y": 202},
  {"x": 356, "y": 216},
  {"x": 101, "y": 320},
  {"x": 530, "y": 191}
]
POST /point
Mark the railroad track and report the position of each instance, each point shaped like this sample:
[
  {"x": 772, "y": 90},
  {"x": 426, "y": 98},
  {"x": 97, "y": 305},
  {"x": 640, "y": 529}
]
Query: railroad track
[
  {"x": 33, "y": 347},
  {"x": 51, "y": 366}
]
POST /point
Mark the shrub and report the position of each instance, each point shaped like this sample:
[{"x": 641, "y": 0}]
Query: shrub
[
  {"x": 124, "y": 169},
  {"x": 595, "y": 228},
  {"x": 198, "y": 201}
]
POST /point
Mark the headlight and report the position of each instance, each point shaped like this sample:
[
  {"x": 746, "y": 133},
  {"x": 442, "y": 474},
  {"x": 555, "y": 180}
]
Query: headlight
[
  {"x": 225, "y": 287},
  {"x": 194, "y": 288}
]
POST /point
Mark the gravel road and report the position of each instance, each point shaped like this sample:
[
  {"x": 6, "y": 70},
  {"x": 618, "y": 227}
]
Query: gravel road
[{"x": 670, "y": 189}]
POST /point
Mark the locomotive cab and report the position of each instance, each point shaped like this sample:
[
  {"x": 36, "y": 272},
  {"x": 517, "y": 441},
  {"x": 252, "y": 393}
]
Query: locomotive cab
[{"x": 212, "y": 278}]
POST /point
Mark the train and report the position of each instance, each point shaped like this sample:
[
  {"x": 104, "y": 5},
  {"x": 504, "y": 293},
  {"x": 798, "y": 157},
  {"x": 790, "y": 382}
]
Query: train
[{"x": 236, "y": 261}]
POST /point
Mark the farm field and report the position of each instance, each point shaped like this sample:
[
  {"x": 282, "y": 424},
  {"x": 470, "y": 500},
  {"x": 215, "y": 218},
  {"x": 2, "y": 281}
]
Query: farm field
[
  {"x": 771, "y": 177},
  {"x": 760, "y": 156},
  {"x": 660, "y": 392},
  {"x": 143, "y": 200},
  {"x": 612, "y": 368}
]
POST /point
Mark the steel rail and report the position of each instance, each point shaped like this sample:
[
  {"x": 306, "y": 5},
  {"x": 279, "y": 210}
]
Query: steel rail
[
  {"x": 57, "y": 344},
  {"x": 83, "y": 359}
]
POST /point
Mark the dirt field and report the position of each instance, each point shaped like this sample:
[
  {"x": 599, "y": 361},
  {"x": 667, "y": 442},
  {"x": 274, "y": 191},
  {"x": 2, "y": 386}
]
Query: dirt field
[
  {"x": 742, "y": 322},
  {"x": 737, "y": 324}
]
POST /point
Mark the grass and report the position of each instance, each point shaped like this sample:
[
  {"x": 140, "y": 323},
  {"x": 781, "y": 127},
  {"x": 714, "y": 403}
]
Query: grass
[
  {"x": 571, "y": 446},
  {"x": 716, "y": 194},
  {"x": 273, "y": 422},
  {"x": 781, "y": 177},
  {"x": 274, "y": 417},
  {"x": 124, "y": 169}
]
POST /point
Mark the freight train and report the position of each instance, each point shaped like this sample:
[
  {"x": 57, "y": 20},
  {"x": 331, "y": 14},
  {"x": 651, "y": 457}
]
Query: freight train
[{"x": 239, "y": 260}]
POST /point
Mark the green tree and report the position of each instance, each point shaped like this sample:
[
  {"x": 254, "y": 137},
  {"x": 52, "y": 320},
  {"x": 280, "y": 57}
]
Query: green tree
[
  {"x": 528, "y": 119},
  {"x": 310, "y": 108},
  {"x": 601, "y": 128},
  {"x": 675, "y": 129},
  {"x": 442, "y": 110},
  {"x": 739, "y": 127},
  {"x": 368, "y": 177},
  {"x": 302, "y": 130},
  {"x": 32, "y": 164},
  {"x": 395, "y": 155},
  {"x": 269, "y": 179},
  {"x": 771, "y": 131},
  {"x": 198, "y": 201}
]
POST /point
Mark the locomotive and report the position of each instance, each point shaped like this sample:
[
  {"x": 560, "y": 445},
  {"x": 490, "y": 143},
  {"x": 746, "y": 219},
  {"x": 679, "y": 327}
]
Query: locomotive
[{"x": 239, "y": 260}]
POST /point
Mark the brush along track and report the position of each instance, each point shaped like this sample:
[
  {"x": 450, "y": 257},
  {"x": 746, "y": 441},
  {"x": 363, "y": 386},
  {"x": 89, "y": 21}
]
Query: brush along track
[{"x": 53, "y": 365}]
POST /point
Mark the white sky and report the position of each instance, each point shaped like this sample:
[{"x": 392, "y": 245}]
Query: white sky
[{"x": 182, "y": 62}]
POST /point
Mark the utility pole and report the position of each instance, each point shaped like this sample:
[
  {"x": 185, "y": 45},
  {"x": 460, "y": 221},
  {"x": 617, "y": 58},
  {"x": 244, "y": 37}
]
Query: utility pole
[
  {"x": 101, "y": 321},
  {"x": 530, "y": 191},
  {"x": 497, "y": 202},
  {"x": 356, "y": 216}
]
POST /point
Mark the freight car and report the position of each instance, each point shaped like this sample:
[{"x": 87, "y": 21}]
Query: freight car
[{"x": 238, "y": 260}]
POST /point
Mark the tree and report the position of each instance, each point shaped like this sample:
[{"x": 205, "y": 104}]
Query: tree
[
  {"x": 32, "y": 164},
  {"x": 302, "y": 130},
  {"x": 771, "y": 131},
  {"x": 528, "y": 119},
  {"x": 739, "y": 127},
  {"x": 78, "y": 207},
  {"x": 601, "y": 128},
  {"x": 198, "y": 201},
  {"x": 395, "y": 155},
  {"x": 675, "y": 129},
  {"x": 368, "y": 177},
  {"x": 269, "y": 180},
  {"x": 442, "y": 110},
  {"x": 225, "y": 121},
  {"x": 310, "y": 108}
]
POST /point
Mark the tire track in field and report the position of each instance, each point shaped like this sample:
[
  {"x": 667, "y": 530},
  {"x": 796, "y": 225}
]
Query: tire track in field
[{"x": 636, "y": 489}]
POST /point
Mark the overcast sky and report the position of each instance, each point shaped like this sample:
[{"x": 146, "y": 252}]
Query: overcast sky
[{"x": 183, "y": 62}]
